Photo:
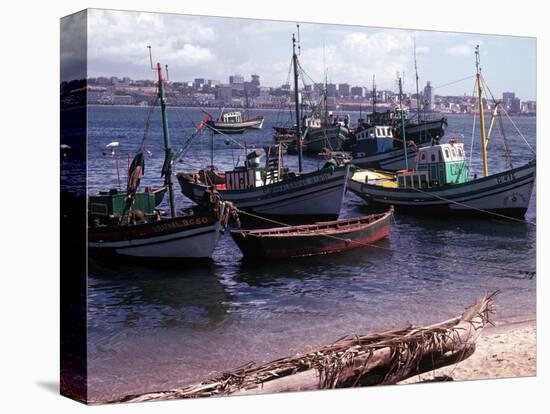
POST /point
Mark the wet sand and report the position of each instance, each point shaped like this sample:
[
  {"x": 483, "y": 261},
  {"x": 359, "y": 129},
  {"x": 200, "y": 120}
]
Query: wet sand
[{"x": 503, "y": 351}]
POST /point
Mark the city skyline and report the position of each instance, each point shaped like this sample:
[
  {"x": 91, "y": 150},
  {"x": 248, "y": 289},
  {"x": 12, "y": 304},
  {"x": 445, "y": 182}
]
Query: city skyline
[{"x": 215, "y": 47}]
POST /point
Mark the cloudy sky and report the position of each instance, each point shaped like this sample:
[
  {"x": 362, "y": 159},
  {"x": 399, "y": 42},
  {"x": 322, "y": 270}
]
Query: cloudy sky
[{"x": 214, "y": 48}]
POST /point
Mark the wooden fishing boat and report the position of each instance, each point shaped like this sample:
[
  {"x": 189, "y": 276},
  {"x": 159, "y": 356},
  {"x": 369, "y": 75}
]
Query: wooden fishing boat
[
  {"x": 331, "y": 137},
  {"x": 233, "y": 122},
  {"x": 129, "y": 225},
  {"x": 274, "y": 191},
  {"x": 313, "y": 239},
  {"x": 377, "y": 142},
  {"x": 441, "y": 184},
  {"x": 376, "y": 147},
  {"x": 507, "y": 193},
  {"x": 193, "y": 235}
]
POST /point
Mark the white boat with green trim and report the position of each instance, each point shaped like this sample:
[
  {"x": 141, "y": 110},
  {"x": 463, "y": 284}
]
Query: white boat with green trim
[{"x": 441, "y": 184}]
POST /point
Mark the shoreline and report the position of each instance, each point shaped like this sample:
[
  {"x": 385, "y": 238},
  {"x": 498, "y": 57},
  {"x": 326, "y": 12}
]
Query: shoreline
[{"x": 508, "y": 350}]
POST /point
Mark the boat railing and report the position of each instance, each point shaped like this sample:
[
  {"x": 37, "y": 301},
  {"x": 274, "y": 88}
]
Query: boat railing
[{"x": 456, "y": 138}]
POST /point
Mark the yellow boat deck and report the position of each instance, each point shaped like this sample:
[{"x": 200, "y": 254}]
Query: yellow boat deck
[{"x": 383, "y": 179}]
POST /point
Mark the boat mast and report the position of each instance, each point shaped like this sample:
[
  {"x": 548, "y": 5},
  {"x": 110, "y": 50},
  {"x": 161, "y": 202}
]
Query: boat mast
[
  {"x": 403, "y": 137},
  {"x": 166, "y": 134},
  {"x": 373, "y": 100},
  {"x": 417, "y": 92},
  {"x": 481, "y": 116},
  {"x": 297, "y": 104},
  {"x": 325, "y": 98}
]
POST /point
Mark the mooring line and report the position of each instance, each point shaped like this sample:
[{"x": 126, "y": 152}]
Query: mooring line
[{"x": 475, "y": 208}]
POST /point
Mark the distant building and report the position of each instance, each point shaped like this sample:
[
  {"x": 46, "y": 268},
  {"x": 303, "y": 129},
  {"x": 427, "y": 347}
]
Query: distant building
[
  {"x": 343, "y": 90},
  {"x": 515, "y": 106},
  {"x": 527, "y": 107},
  {"x": 507, "y": 98},
  {"x": 255, "y": 80},
  {"x": 357, "y": 91},
  {"x": 428, "y": 97},
  {"x": 331, "y": 90},
  {"x": 123, "y": 100},
  {"x": 224, "y": 93},
  {"x": 236, "y": 79},
  {"x": 103, "y": 81},
  {"x": 198, "y": 83},
  {"x": 319, "y": 88}
]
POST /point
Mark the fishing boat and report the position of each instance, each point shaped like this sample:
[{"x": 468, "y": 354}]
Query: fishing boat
[
  {"x": 329, "y": 135},
  {"x": 130, "y": 226},
  {"x": 233, "y": 122},
  {"x": 377, "y": 142},
  {"x": 191, "y": 235},
  {"x": 313, "y": 239},
  {"x": 377, "y": 147},
  {"x": 270, "y": 188},
  {"x": 273, "y": 190},
  {"x": 440, "y": 183}
]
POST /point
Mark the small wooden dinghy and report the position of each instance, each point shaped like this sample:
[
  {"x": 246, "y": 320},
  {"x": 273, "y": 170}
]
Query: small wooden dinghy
[{"x": 313, "y": 239}]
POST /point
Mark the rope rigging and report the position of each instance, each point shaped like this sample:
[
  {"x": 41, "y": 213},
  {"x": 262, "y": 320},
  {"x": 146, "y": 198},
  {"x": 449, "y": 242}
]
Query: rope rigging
[
  {"x": 148, "y": 123},
  {"x": 475, "y": 208},
  {"x": 454, "y": 82},
  {"x": 508, "y": 116}
]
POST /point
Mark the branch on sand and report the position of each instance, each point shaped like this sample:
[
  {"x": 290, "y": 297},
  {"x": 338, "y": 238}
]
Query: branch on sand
[{"x": 382, "y": 358}]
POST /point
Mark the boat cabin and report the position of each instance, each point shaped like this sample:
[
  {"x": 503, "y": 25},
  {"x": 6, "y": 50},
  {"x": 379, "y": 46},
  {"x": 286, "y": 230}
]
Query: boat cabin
[
  {"x": 253, "y": 174},
  {"x": 374, "y": 140},
  {"x": 385, "y": 118},
  {"x": 232, "y": 117},
  {"x": 438, "y": 165},
  {"x": 311, "y": 122}
]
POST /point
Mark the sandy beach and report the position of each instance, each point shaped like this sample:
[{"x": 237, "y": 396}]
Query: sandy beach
[{"x": 503, "y": 351}]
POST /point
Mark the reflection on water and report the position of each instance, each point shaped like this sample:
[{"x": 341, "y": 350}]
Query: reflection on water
[{"x": 154, "y": 327}]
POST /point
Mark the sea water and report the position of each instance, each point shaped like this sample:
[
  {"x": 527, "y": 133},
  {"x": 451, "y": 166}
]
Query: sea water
[{"x": 159, "y": 327}]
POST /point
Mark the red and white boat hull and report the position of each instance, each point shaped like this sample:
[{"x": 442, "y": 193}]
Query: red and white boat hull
[{"x": 175, "y": 238}]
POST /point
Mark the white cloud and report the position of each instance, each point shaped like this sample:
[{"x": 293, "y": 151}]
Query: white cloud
[
  {"x": 422, "y": 50},
  {"x": 460, "y": 51},
  {"x": 359, "y": 56},
  {"x": 119, "y": 38}
]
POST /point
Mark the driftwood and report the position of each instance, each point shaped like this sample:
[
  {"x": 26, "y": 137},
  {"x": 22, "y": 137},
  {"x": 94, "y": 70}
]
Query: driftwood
[{"x": 381, "y": 358}]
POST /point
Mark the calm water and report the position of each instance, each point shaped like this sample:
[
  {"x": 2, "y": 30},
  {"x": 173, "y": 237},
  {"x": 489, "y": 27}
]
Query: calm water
[{"x": 153, "y": 328}]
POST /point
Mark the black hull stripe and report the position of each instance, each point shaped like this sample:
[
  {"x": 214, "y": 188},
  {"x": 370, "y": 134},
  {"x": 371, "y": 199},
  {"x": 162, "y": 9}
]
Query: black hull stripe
[
  {"x": 394, "y": 158},
  {"x": 412, "y": 203},
  {"x": 283, "y": 200},
  {"x": 293, "y": 191},
  {"x": 152, "y": 243},
  {"x": 400, "y": 191}
]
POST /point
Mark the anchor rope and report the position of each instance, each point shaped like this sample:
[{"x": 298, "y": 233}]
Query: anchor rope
[
  {"x": 530, "y": 274},
  {"x": 475, "y": 208}
]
